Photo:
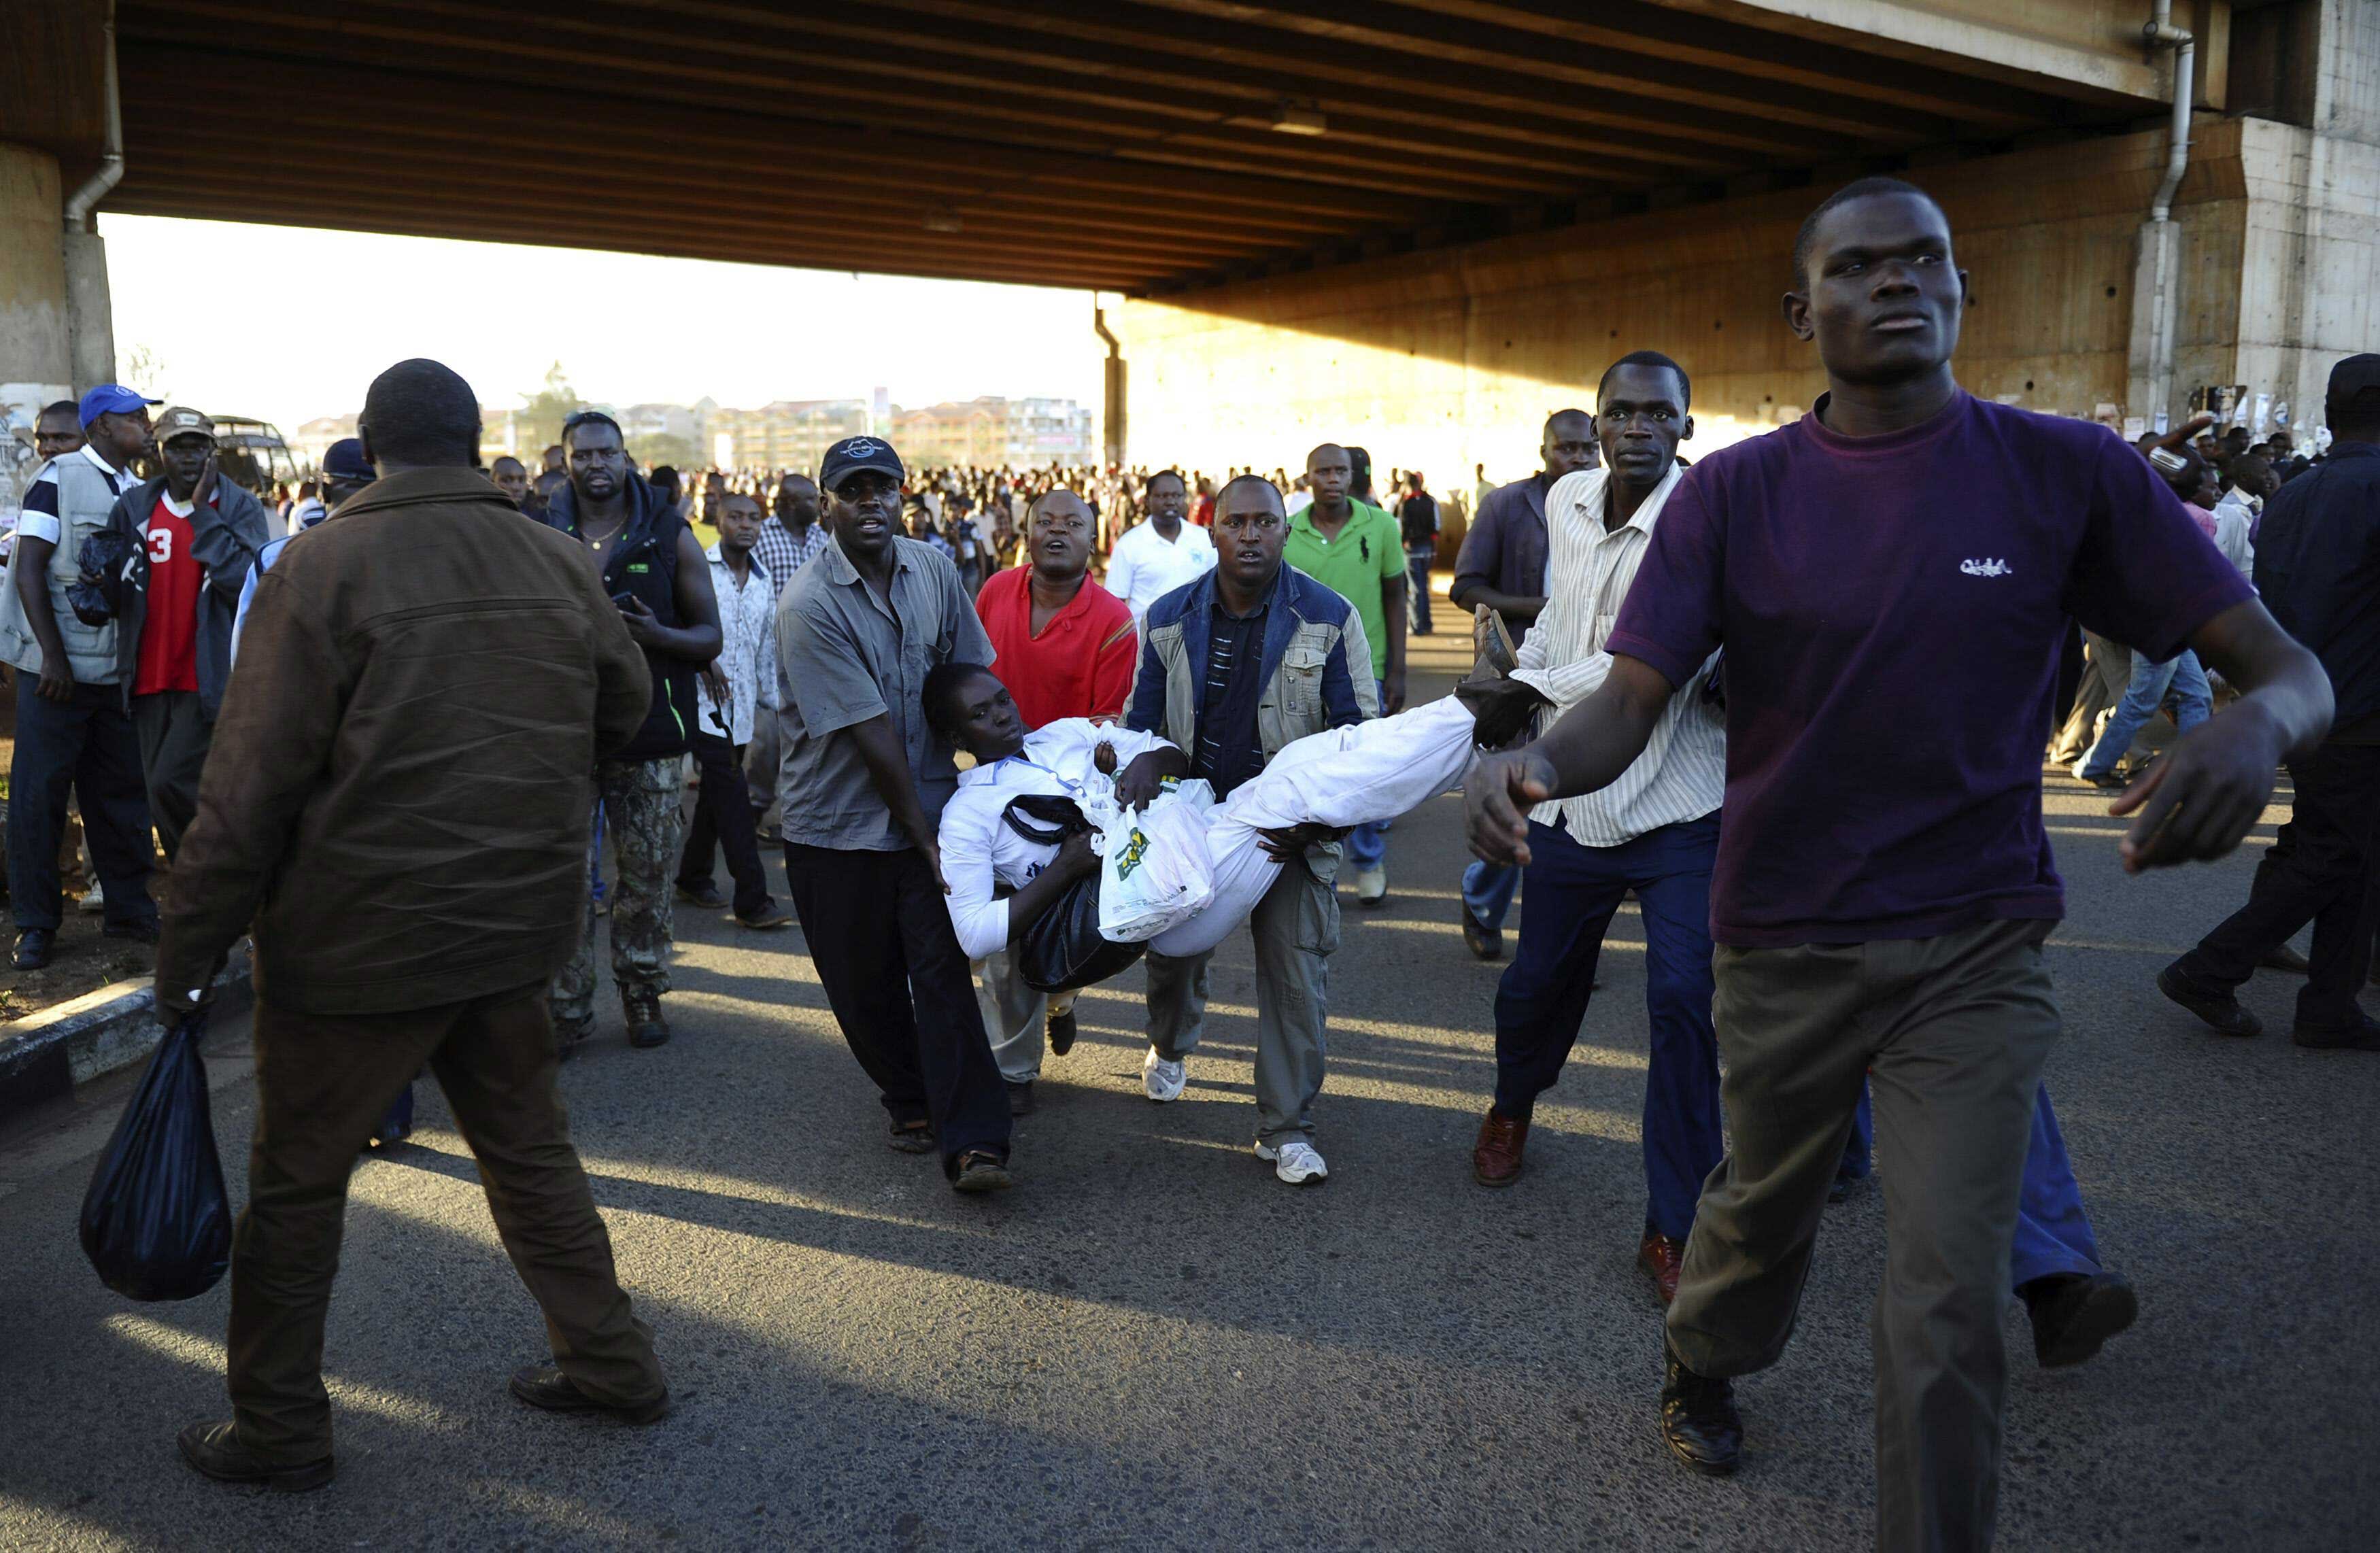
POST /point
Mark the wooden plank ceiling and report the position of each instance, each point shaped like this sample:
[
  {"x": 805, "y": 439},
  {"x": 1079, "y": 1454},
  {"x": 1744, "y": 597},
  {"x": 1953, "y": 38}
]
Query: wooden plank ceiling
[{"x": 1127, "y": 144}]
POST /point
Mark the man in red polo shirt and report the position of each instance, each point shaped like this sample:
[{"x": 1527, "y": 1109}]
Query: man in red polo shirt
[{"x": 1066, "y": 648}]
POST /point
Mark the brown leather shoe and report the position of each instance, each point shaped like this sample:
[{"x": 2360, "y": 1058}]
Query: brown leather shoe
[
  {"x": 1665, "y": 1259},
  {"x": 1496, "y": 1158}
]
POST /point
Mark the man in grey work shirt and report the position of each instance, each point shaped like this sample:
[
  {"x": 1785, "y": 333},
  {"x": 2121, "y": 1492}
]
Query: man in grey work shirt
[{"x": 864, "y": 779}]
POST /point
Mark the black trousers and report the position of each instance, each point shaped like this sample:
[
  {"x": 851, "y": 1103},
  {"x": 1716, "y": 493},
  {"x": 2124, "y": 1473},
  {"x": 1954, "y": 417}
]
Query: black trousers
[
  {"x": 2323, "y": 875},
  {"x": 723, "y": 821},
  {"x": 902, "y": 991},
  {"x": 85, "y": 742}
]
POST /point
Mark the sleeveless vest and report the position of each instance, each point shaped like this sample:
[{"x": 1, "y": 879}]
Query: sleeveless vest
[{"x": 85, "y": 500}]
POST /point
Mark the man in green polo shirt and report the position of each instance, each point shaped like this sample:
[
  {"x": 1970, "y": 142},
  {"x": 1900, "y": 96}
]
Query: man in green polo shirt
[{"x": 1357, "y": 552}]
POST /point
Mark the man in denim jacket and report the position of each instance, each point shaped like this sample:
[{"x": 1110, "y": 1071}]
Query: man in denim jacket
[{"x": 1232, "y": 667}]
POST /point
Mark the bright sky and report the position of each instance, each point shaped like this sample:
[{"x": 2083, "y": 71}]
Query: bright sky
[{"x": 289, "y": 323}]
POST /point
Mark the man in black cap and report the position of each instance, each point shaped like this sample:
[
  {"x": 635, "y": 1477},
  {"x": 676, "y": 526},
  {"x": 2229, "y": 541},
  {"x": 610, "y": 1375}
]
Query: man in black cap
[
  {"x": 194, "y": 539},
  {"x": 2318, "y": 568},
  {"x": 71, "y": 725},
  {"x": 857, "y": 629}
]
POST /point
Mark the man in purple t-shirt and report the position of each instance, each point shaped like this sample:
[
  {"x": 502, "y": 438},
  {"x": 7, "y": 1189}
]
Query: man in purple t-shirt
[{"x": 1891, "y": 577}]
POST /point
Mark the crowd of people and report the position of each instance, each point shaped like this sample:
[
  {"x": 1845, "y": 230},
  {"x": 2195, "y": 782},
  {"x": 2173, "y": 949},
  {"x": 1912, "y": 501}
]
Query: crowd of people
[{"x": 1793, "y": 700}]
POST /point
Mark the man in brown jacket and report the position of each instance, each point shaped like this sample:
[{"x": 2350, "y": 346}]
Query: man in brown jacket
[{"x": 398, "y": 800}]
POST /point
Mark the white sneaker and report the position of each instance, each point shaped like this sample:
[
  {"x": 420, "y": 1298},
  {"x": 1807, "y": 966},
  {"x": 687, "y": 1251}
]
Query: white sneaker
[
  {"x": 1159, "y": 1079},
  {"x": 1295, "y": 1161},
  {"x": 1371, "y": 886},
  {"x": 94, "y": 899}
]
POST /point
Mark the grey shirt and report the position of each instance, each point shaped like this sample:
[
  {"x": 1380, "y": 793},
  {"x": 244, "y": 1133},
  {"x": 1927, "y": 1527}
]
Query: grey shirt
[{"x": 843, "y": 658}]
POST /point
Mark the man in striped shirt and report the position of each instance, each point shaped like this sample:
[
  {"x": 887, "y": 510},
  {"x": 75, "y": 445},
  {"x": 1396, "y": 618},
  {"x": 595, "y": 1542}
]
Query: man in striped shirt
[{"x": 1654, "y": 831}]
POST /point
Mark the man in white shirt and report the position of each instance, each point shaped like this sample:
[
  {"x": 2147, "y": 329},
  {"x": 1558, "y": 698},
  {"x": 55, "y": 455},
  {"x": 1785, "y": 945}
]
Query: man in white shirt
[
  {"x": 735, "y": 690},
  {"x": 1161, "y": 554},
  {"x": 1654, "y": 831}
]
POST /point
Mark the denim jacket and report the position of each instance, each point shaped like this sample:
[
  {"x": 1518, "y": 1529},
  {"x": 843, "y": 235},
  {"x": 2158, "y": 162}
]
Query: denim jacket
[{"x": 1311, "y": 636}]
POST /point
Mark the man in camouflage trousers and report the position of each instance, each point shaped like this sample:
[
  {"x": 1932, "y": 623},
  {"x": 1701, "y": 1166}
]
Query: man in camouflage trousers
[{"x": 654, "y": 570}]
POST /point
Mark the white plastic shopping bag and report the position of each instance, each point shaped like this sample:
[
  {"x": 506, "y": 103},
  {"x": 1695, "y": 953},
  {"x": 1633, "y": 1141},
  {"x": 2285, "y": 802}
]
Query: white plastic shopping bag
[{"x": 1154, "y": 872}]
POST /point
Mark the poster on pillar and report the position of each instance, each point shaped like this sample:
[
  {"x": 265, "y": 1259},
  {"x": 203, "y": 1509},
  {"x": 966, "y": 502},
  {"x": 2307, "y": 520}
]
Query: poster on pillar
[{"x": 21, "y": 406}]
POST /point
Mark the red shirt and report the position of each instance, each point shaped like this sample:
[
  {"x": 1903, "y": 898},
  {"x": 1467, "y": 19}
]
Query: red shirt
[
  {"x": 1081, "y": 665},
  {"x": 169, "y": 629}
]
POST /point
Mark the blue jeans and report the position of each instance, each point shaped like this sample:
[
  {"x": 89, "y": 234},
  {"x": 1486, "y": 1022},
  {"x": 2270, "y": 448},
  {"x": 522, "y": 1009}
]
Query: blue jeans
[
  {"x": 1488, "y": 891},
  {"x": 1367, "y": 846},
  {"x": 2053, "y": 1232},
  {"x": 1417, "y": 587},
  {"x": 2141, "y": 699},
  {"x": 1541, "y": 1002}
]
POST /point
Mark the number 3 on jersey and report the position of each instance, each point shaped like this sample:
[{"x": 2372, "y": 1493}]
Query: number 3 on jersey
[{"x": 161, "y": 546}]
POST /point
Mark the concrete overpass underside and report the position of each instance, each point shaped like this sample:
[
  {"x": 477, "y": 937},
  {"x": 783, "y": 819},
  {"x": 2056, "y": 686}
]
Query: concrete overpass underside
[{"x": 1426, "y": 213}]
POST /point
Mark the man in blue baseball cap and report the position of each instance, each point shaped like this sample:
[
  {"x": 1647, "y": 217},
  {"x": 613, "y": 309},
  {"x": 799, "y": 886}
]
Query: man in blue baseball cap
[{"x": 72, "y": 728}]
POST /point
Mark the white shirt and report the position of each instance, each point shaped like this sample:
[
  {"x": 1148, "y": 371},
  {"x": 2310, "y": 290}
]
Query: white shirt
[
  {"x": 1145, "y": 566},
  {"x": 1682, "y": 773},
  {"x": 981, "y": 850},
  {"x": 747, "y": 624},
  {"x": 2234, "y": 516}
]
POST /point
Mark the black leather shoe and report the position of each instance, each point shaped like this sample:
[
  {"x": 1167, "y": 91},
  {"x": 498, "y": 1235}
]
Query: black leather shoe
[
  {"x": 1484, "y": 942},
  {"x": 1062, "y": 1033},
  {"x": 1020, "y": 1096},
  {"x": 2285, "y": 959},
  {"x": 1699, "y": 1422},
  {"x": 708, "y": 895},
  {"x": 2072, "y": 1314},
  {"x": 2220, "y": 1011},
  {"x": 143, "y": 931},
  {"x": 646, "y": 1025},
  {"x": 981, "y": 1171},
  {"x": 2355, "y": 1038},
  {"x": 32, "y": 949},
  {"x": 215, "y": 1450},
  {"x": 545, "y": 1385}
]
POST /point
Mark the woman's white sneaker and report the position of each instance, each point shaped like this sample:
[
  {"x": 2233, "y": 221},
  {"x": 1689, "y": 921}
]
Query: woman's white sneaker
[
  {"x": 1161, "y": 1079},
  {"x": 1295, "y": 1161}
]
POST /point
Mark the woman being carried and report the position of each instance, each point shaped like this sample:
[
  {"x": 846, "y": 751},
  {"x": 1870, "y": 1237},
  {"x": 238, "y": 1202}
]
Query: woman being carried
[{"x": 1355, "y": 775}]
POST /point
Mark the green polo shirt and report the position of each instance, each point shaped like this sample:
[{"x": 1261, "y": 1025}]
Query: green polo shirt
[{"x": 1367, "y": 550}]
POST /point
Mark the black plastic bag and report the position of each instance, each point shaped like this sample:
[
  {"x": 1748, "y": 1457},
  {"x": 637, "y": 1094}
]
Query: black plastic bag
[
  {"x": 156, "y": 1222},
  {"x": 1062, "y": 950},
  {"x": 97, "y": 595}
]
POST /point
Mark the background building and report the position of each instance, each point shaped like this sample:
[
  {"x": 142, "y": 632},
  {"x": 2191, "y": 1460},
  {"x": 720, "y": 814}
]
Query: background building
[{"x": 994, "y": 431}]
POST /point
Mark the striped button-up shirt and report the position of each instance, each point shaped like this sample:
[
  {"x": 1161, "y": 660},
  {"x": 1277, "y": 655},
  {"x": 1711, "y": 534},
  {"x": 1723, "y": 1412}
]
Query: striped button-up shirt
[
  {"x": 1682, "y": 773},
  {"x": 780, "y": 554},
  {"x": 748, "y": 629}
]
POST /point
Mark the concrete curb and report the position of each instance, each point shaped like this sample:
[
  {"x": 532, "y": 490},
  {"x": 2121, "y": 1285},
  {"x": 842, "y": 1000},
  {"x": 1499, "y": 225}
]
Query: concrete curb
[{"x": 45, "y": 1055}]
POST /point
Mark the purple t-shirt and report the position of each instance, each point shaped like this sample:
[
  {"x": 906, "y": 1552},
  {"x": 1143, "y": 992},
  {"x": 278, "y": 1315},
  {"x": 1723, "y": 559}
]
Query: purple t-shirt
[{"x": 1892, "y": 608}]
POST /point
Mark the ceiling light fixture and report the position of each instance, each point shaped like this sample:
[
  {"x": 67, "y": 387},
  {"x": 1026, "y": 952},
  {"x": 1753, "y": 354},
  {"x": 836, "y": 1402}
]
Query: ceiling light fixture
[{"x": 1299, "y": 118}]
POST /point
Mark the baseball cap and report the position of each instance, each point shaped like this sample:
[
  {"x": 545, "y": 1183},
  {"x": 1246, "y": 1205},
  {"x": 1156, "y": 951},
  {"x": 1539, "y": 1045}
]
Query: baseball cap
[
  {"x": 2355, "y": 377},
  {"x": 110, "y": 398},
  {"x": 345, "y": 460},
  {"x": 852, "y": 454},
  {"x": 183, "y": 421}
]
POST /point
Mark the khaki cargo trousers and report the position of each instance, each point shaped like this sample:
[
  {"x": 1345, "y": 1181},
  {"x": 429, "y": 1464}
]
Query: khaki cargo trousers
[{"x": 1952, "y": 1032}]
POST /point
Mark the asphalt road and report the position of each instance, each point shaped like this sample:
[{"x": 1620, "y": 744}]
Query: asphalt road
[{"x": 1151, "y": 1344}]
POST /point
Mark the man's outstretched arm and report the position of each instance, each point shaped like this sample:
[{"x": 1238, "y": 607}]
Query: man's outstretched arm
[
  {"x": 2202, "y": 795},
  {"x": 1593, "y": 744}
]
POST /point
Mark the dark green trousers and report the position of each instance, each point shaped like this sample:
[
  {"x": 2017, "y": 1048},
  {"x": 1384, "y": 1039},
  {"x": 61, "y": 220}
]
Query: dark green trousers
[
  {"x": 1954, "y": 1031},
  {"x": 321, "y": 1083}
]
